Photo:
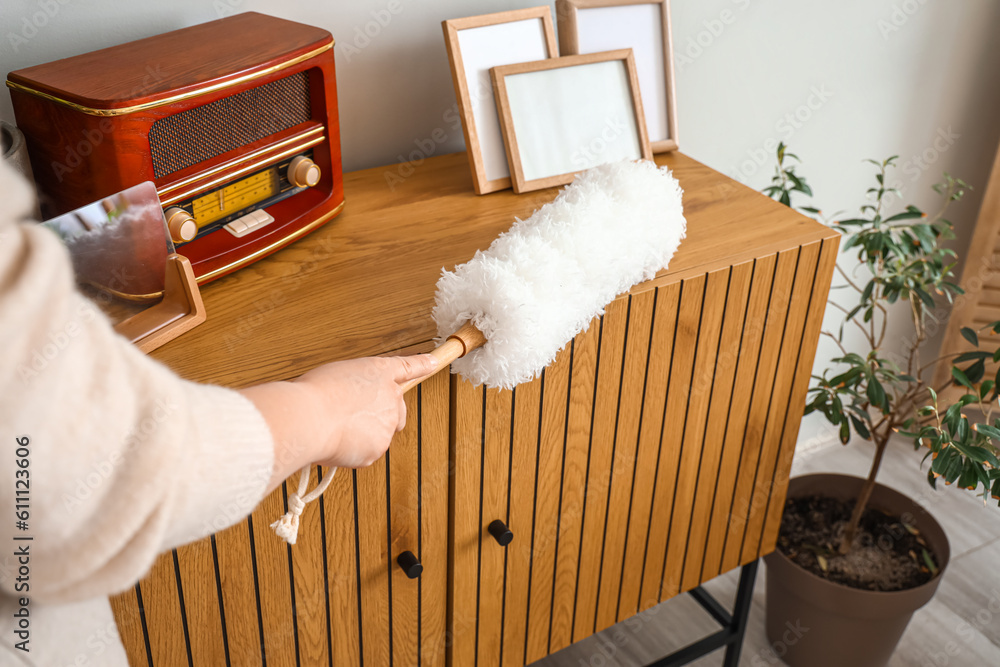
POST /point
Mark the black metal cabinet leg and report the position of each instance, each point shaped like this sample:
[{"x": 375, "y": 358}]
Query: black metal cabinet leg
[
  {"x": 741, "y": 613},
  {"x": 734, "y": 626}
]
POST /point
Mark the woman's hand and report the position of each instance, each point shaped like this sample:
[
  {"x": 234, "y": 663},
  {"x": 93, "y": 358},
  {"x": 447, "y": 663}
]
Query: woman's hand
[
  {"x": 362, "y": 397},
  {"x": 342, "y": 414}
]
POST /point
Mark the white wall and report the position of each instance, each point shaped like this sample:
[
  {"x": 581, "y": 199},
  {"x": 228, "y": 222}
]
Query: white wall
[{"x": 840, "y": 81}]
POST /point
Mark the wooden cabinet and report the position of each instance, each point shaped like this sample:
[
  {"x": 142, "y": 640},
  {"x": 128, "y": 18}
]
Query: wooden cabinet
[
  {"x": 651, "y": 456},
  {"x": 616, "y": 471}
]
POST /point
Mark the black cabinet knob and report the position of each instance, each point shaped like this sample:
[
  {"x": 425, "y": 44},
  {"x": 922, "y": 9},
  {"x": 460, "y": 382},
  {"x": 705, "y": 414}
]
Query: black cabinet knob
[
  {"x": 410, "y": 564},
  {"x": 499, "y": 530}
]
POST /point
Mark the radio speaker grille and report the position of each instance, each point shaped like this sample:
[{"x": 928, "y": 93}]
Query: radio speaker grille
[{"x": 204, "y": 132}]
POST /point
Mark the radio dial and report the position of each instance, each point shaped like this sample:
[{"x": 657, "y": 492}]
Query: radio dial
[
  {"x": 182, "y": 226},
  {"x": 303, "y": 172}
]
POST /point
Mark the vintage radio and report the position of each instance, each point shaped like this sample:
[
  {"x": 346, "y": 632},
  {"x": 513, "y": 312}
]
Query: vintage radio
[{"x": 235, "y": 122}]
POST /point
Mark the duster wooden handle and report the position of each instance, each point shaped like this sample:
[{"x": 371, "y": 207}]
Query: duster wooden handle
[{"x": 459, "y": 344}]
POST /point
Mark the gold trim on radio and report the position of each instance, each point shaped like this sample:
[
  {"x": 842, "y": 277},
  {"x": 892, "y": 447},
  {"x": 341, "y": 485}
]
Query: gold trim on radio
[
  {"x": 238, "y": 263},
  {"x": 263, "y": 251},
  {"x": 240, "y": 160},
  {"x": 203, "y": 186},
  {"x": 175, "y": 98}
]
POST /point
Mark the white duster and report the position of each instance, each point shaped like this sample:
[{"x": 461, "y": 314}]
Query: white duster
[{"x": 543, "y": 281}]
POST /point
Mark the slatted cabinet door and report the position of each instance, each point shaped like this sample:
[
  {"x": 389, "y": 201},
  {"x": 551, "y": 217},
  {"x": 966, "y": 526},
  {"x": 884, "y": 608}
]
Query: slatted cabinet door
[
  {"x": 243, "y": 597},
  {"x": 647, "y": 459}
]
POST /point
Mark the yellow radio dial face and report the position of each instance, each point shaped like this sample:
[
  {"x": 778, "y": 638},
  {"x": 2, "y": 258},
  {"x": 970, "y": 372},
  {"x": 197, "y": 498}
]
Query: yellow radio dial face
[{"x": 235, "y": 197}]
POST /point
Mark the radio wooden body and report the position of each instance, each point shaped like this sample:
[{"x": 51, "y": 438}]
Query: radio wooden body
[{"x": 235, "y": 122}]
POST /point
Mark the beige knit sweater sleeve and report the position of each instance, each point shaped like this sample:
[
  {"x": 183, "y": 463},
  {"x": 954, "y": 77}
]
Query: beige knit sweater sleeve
[{"x": 126, "y": 460}]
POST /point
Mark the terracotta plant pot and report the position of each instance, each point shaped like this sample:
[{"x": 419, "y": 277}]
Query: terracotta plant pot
[{"x": 812, "y": 622}]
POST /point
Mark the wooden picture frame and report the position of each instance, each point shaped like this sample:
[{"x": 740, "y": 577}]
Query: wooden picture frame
[
  {"x": 589, "y": 26},
  {"x": 476, "y": 44},
  {"x": 564, "y": 115}
]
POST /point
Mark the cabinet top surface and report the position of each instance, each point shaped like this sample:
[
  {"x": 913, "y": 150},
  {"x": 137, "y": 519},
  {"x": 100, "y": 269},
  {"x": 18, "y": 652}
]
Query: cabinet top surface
[
  {"x": 173, "y": 62},
  {"x": 363, "y": 284}
]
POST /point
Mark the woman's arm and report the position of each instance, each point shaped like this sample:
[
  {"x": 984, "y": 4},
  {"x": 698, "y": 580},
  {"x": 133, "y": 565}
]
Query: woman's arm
[{"x": 125, "y": 459}]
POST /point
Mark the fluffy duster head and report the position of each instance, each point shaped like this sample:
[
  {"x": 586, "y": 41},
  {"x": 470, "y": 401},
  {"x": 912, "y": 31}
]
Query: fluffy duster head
[{"x": 541, "y": 283}]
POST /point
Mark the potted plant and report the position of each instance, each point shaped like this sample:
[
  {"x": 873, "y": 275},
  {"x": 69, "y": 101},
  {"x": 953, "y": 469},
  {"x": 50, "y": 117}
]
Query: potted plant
[{"x": 855, "y": 559}]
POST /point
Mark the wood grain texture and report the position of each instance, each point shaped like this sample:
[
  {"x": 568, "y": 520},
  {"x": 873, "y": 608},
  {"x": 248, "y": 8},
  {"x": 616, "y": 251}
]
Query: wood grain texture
[
  {"x": 524, "y": 454},
  {"x": 600, "y": 455},
  {"x": 693, "y": 444},
  {"x": 806, "y": 355},
  {"x": 551, "y": 438},
  {"x": 164, "y": 619},
  {"x": 494, "y": 505},
  {"x": 718, "y": 466},
  {"x": 308, "y": 563},
  {"x": 661, "y": 352},
  {"x": 771, "y": 321},
  {"x": 202, "y": 606},
  {"x": 343, "y": 593},
  {"x": 239, "y": 594},
  {"x": 692, "y": 294},
  {"x": 128, "y": 619},
  {"x": 433, "y": 418},
  {"x": 785, "y": 372},
  {"x": 761, "y": 280},
  {"x": 621, "y": 491},
  {"x": 374, "y": 563},
  {"x": 272, "y": 560},
  {"x": 403, "y": 501},
  {"x": 466, "y": 532},
  {"x": 584, "y": 352}
]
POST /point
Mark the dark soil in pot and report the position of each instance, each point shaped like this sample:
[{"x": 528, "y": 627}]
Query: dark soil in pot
[
  {"x": 888, "y": 554},
  {"x": 814, "y": 622}
]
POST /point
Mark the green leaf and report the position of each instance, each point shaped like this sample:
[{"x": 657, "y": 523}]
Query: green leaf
[
  {"x": 876, "y": 395},
  {"x": 925, "y": 297},
  {"x": 991, "y": 432},
  {"x": 982, "y": 455},
  {"x": 860, "y": 427},
  {"x": 952, "y": 415},
  {"x": 962, "y": 432},
  {"x": 975, "y": 372},
  {"x": 969, "y": 479},
  {"x": 960, "y": 378},
  {"x": 973, "y": 356},
  {"x": 984, "y": 389},
  {"x": 970, "y": 335},
  {"x": 910, "y": 213}
]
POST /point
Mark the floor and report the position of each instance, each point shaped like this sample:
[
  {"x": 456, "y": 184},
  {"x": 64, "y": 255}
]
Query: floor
[{"x": 959, "y": 627}]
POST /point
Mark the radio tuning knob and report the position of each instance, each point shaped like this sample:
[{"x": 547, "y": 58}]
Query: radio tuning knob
[
  {"x": 181, "y": 225},
  {"x": 303, "y": 172}
]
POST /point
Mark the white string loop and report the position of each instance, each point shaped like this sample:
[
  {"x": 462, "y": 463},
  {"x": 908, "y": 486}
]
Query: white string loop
[{"x": 287, "y": 527}]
